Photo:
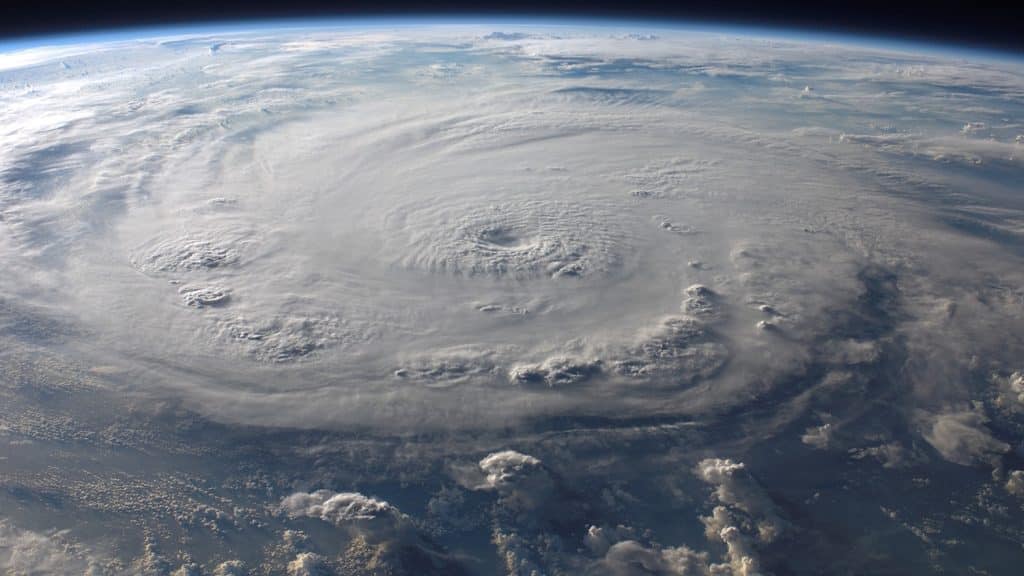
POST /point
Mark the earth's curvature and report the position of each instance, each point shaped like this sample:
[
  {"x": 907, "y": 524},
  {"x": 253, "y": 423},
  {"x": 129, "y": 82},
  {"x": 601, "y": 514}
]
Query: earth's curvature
[{"x": 534, "y": 299}]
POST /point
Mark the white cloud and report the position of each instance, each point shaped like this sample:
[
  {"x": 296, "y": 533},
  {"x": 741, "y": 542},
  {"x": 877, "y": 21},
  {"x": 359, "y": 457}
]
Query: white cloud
[
  {"x": 965, "y": 150},
  {"x": 337, "y": 508},
  {"x": 296, "y": 260},
  {"x": 341, "y": 249},
  {"x": 818, "y": 436},
  {"x": 1012, "y": 388},
  {"x": 741, "y": 557},
  {"x": 745, "y": 519},
  {"x": 508, "y": 469},
  {"x": 736, "y": 488}
]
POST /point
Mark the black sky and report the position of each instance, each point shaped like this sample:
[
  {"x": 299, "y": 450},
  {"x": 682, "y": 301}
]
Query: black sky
[{"x": 981, "y": 23}]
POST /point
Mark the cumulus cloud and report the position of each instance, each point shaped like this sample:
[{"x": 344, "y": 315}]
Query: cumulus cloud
[
  {"x": 337, "y": 508},
  {"x": 377, "y": 538},
  {"x": 619, "y": 553},
  {"x": 1015, "y": 483},
  {"x": 507, "y": 468},
  {"x": 677, "y": 350},
  {"x": 599, "y": 539},
  {"x": 746, "y": 518},
  {"x": 741, "y": 557},
  {"x": 1011, "y": 390},
  {"x": 521, "y": 480},
  {"x": 736, "y": 488},
  {"x": 1017, "y": 385},
  {"x": 700, "y": 301},
  {"x": 529, "y": 512},
  {"x": 818, "y": 436}
]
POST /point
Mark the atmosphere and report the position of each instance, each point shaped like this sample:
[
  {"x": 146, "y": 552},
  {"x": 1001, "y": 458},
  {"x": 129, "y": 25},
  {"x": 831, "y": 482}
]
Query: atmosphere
[
  {"x": 983, "y": 23},
  {"x": 519, "y": 296}
]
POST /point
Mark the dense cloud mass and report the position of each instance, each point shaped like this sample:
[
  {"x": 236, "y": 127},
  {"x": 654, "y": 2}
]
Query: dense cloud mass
[
  {"x": 472, "y": 299},
  {"x": 335, "y": 508},
  {"x": 508, "y": 468}
]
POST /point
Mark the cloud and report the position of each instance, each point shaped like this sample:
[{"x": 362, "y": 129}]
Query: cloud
[
  {"x": 525, "y": 239},
  {"x": 962, "y": 150},
  {"x": 506, "y": 257},
  {"x": 701, "y": 302},
  {"x": 188, "y": 569},
  {"x": 202, "y": 297},
  {"x": 351, "y": 279},
  {"x": 531, "y": 508},
  {"x": 741, "y": 557},
  {"x": 631, "y": 558},
  {"x": 507, "y": 468},
  {"x": 746, "y": 518},
  {"x": 281, "y": 339},
  {"x": 676, "y": 350},
  {"x": 1011, "y": 390},
  {"x": 599, "y": 539},
  {"x": 188, "y": 254},
  {"x": 891, "y": 455},
  {"x": 337, "y": 508},
  {"x": 376, "y": 537},
  {"x": 28, "y": 552},
  {"x": 962, "y": 438},
  {"x": 556, "y": 371},
  {"x": 818, "y": 436},
  {"x": 1017, "y": 385},
  {"x": 230, "y": 568},
  {"x": 736, "y": 488},
  {"x": 1015, "y": 483},
  {"x": 450, "y": 367},
  {"x": 507, "y": 36},
  {"x": 620, "y": 554},
  {"x": 308, "y": 564}
]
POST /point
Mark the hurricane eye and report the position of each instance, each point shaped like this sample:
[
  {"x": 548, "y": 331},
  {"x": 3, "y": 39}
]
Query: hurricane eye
[{"x": 501, "y": 236}]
